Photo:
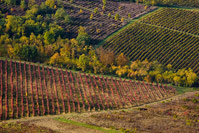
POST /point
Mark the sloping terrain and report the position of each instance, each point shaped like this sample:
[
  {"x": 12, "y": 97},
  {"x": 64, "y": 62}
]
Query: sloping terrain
[
  {"x": 33, "y": 90},
  {"x": 169, "y": 40}
]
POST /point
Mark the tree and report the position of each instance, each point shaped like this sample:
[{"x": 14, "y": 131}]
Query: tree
[
  {"x": 191, "y": 77},
  {"x": 50, "y": 3},
  {"x": 83, "y": 37},
  {"x": 49, "y": 37},
  {"x": 13, "y": 24},
  {"x": 31, "y": 3},
  {"x": 95, "y": 10},
  {"x": 122, "y": 19},
  {"x": 23, "y": 4},
  {"x": 11, "y": 2},
  {"x": 122, "y": 60},
  {"x": 107, "y": 58},
  {"x": 26, "y": 52},
  {"x": 129, "y": 15},
  {"x": 62, "y": 15},
  {"x": 67, "y": 19},
  {"x": 117, "y": 16},
  {"x": 91, "y": 16},
  {"x": 177, "y": 80},
  {"x": 83, "y": 62},
  {"x": 104, "y": 4},
  {"x": 109, "y": 15},
  {"x": 54, "y": 59}
]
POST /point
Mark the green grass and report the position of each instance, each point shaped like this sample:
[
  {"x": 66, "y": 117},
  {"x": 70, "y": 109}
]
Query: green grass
[
  {"x": 181, "y": 90},
  {"x": 86, "y": 125}
]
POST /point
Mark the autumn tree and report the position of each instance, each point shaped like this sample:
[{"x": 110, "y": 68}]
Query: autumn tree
[
  {"x": 122, "y": 60},
  {"x": 107, "y": 58},
  {"x": 54, "y": 59}
]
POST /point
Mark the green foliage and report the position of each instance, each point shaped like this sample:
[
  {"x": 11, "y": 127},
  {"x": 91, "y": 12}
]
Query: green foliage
[
  {"x": 62, "y": 15},
  {"x": 83, "y": 62},
  {"x": 83, "y": 37},
  {"x": 10, "y": 2},
  {"x": 31, "y": 26},
  {"x": 50, "y": 3},
  {"x": 32, "y": 12},
  {"x": 25, "y": 52},
  {"x": 117, "y": 16},
  {"x": 109, "y": 14},
  {"x": 13, "y": 25},
  {"x": 91, "y": 16},
  {"x": 49, "y": 37},
  {"x": 31, "y": 3},
  {"x": 95, "y": 10},
  {"x": 23, "y": 4}
]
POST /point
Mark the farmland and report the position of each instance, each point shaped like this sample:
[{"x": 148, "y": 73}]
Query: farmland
[
  {"x": 99, "y": 66},
  {"x": 176, "y": 19},
  {"x": 100, "y": 26},
  {"x": 160, "y": 38},
  {"x": 33, "y": 90}
]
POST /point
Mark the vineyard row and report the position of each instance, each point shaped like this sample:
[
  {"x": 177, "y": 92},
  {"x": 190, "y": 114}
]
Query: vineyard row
[{"x": 29, "y": 90}]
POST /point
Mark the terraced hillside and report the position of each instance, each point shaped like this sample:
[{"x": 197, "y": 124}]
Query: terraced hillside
[
  {"x": 169, "y": 40},
  {"x": 33, "y": 90}
]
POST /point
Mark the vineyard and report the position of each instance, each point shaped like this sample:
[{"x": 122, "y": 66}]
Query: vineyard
[
  {"x": 159, "y": 38},
  {"x": 177, "y": 19},
  {"x": 33, "y": 90},
  {"x": 101, "y": 25}
]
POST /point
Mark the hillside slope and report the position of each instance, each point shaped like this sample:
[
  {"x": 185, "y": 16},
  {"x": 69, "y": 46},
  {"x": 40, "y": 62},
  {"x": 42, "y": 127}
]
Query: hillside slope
[{"x": 29, "y": 90}]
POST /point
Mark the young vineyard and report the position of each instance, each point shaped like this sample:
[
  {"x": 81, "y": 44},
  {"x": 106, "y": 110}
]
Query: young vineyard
[
  {"x": 33, "y": 90},
  {"x": 157, "y": 37}
]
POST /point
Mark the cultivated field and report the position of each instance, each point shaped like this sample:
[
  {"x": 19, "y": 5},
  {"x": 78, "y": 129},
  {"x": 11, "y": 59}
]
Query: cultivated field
[
  {"x": 100, "y": 26},
  {"x": 167, "y": 40},
  {"x": 29, "y": 90},
  {"x": 176, "y": 19}
]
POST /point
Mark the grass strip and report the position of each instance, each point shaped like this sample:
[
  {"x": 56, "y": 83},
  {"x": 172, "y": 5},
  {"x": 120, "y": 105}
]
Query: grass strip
[
  {"x": 86, "y": 125},
  {"x": 181, "y": 90}
]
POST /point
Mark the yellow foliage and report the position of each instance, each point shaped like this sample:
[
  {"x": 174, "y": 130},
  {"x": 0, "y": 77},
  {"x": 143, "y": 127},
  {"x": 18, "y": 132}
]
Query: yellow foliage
[
  {"x": 80, "y": 11},
  {"x": 91, "y": 16},
  {"x": 54, "y": 59},
  {"x": 122, "y": 19},
  {"x": 10, "y": 51},
  {"x": 121, "y": 70}
]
